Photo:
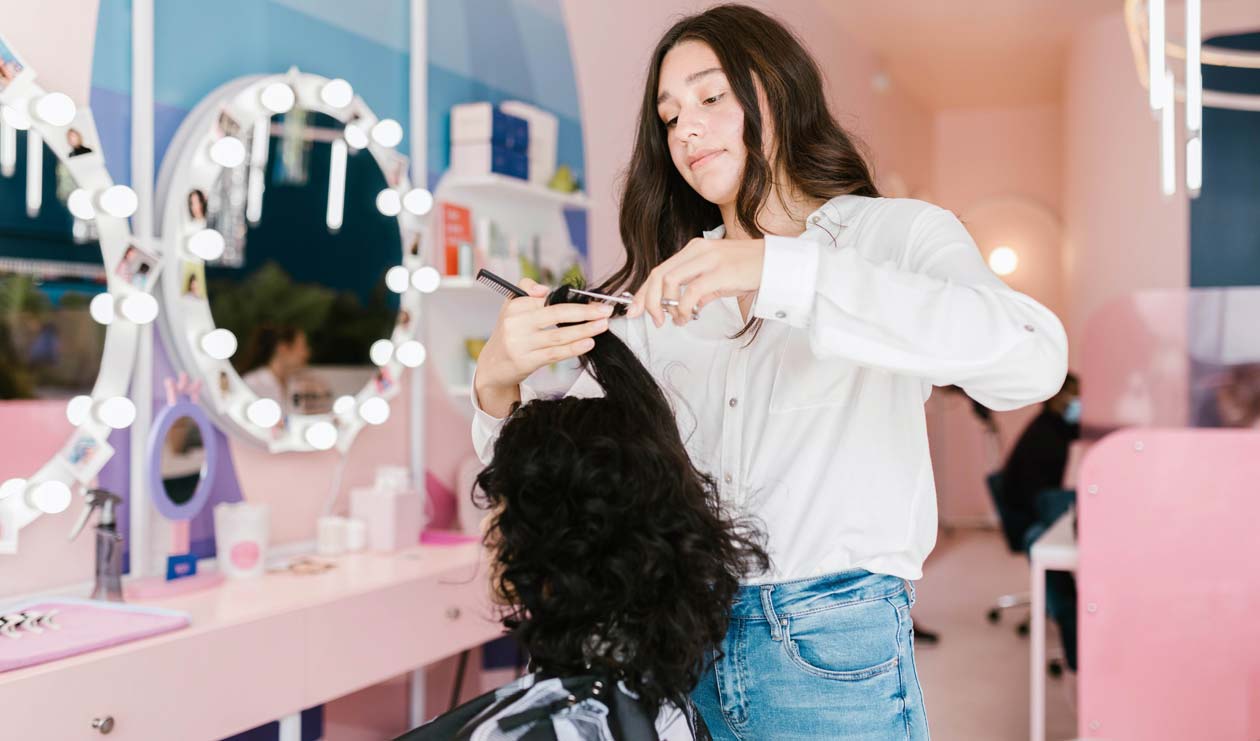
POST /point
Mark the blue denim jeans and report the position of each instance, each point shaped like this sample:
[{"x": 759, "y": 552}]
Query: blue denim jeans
[{"x": 824, "y": 658}]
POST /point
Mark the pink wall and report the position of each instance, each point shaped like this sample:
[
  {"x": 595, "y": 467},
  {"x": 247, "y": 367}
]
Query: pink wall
[
  {"x": 62, "y": 58},
  {"x": 33, "y": 431},
  {"x": 611, "y": 43},
  {"x": 983, "y": 153},
  {"x": 1122, "y": 234}
]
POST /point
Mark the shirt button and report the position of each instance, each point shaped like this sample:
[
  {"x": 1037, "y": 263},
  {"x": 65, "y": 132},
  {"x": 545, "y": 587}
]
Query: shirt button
[
  {"x": 733, "y": 402},
  {"x": 780, "y": 315},
  {"x": 1029, "y": 328},
  {"x": 728, "y": 478},
  {"x": 815, "y": 219}
]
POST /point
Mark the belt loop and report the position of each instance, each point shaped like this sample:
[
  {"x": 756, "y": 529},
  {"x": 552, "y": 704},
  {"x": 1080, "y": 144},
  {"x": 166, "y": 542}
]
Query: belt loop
[
  {"x": 910, "y": 590},
  {"x": 767, "y": 606}
]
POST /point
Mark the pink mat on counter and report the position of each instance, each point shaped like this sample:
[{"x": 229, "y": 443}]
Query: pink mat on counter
[{"x": 84, "y": 625}]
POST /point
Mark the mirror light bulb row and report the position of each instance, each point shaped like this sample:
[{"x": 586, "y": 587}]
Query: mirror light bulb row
[{"x": 50, "y": 497}]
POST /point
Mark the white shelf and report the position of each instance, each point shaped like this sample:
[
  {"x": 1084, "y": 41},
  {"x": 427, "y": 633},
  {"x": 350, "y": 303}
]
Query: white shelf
[
  {"x": 457, "y": 283},
  {"x": 515, "y": 187}
]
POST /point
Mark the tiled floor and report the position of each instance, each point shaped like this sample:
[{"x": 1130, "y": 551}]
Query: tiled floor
[{"x": 975, "y": 681}]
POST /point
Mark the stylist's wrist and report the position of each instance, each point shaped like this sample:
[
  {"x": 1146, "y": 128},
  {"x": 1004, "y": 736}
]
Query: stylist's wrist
[{"x": 495, "y": 399}]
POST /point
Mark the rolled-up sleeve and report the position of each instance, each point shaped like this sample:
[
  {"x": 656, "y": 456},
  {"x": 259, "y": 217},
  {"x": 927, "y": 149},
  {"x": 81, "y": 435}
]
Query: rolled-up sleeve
[{"x": 938, "y": 313}]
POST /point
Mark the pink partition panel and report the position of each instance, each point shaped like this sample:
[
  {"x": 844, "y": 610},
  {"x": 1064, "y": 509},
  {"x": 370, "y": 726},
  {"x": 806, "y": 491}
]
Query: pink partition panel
[
  {"x": 1169, "y": 586},
  {"x": 1172, "y": 359}
]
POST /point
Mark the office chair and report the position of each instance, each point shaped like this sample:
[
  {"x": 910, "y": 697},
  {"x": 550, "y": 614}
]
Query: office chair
[{"x": 1015, "y": 543}]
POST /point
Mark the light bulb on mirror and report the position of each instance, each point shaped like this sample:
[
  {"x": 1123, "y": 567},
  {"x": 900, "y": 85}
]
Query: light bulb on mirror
[
  {"x": 1003, "y": 260},
  {"x": 418, "y": 201},
  {"x": 118, "y": 201},
  {"x": 101, "y": 308},
  {"x": 381, "y": 351},
  {"x": 139, "y": 308},
  {"x": 389, "y": 202},
  {"x": 49, "y": 497},
  {"x": 12, "y": 487},
  {"x": 321, "y": 435},
  {"x": 397, "y": 279},
  {"x": 336, "y": 93},
  {"x": 387, "y": 132},
  {"x": 16, "y": 117},
  {"x": 374, "y": 411},
  {"x": 263, "y": 412},
  {"x": 55, "y": 108},
  {"x": 207, "y": 244},
  {"x": 411, "y": 354},
  {"x": 78, "y": 409},
  {"x": 219, "y": 344},
  {"x": 356, "y": 137},
  {"x": 80, "y": 204},
  {"x": 227, "y": 152},
  {"x": 343, "y": 405},
  {"x": 277, "y": 97},
  {"x": 117, "y": 412},
  {"x": 426, "y": 279}
]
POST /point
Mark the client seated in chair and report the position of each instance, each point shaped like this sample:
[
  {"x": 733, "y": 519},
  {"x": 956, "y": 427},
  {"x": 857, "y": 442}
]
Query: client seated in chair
[{"x": 613, "y": 562}]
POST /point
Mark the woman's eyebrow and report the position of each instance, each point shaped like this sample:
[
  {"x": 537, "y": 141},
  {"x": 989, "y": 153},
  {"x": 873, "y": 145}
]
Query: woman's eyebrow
[{"x": 690, "y": 79}]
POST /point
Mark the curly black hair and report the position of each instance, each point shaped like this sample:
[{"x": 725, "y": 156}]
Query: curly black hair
[{"x": 613, "y": 552}]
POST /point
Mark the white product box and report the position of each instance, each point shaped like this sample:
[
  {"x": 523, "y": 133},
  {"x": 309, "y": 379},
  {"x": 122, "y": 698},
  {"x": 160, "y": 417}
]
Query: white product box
[{"x": 394, "y": 519}]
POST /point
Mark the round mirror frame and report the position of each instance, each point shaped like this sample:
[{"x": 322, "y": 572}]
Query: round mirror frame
[
  {"x": 76, "y": 464},
  {"x": 186, "y": 319}
]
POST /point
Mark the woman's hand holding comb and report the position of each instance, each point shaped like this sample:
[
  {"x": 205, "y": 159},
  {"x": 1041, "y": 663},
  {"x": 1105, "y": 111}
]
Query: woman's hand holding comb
[{"x": 526, "y": 338}]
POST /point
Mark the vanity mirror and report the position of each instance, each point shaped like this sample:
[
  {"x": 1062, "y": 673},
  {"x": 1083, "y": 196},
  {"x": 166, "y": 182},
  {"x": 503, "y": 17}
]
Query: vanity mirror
[
  {"x": 285, "y": 210},
  {"x": 74, "y": 287}
]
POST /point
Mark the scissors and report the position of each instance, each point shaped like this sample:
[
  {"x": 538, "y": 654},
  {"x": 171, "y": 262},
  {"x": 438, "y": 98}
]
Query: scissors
[{"x": 507, "y": 290}]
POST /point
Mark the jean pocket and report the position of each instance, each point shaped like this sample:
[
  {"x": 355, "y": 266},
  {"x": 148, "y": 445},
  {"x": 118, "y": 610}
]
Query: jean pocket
[{"x": 847, "y": 643}]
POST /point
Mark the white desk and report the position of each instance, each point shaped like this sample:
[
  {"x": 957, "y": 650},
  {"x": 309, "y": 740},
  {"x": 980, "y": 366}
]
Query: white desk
[{"x": 1055, "y": 550}]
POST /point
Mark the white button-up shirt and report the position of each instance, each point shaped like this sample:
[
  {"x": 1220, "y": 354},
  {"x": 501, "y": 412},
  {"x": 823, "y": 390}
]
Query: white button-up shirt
[{"x": 816, "y": 428}]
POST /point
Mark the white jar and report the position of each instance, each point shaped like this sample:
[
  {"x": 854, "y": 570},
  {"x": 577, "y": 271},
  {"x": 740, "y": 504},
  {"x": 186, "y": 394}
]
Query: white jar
[{"x": 240, "y": 532}]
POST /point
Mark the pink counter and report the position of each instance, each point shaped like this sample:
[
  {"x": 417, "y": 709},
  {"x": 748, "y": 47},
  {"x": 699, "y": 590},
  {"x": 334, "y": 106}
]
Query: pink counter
[{"x": 262, "y": 649}]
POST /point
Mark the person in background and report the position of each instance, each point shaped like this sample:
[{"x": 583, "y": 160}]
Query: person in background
[
  {"x": 278, "y": 355},
  {"x": 1039, "y": 458},
  {"x": 1033, "y": 496}
]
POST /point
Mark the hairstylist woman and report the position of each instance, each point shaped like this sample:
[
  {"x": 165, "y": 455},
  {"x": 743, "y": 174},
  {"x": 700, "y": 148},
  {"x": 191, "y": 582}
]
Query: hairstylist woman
[{"x": 825, "y": 316}]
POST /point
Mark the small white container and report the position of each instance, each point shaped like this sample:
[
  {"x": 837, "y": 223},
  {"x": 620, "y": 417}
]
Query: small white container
[
  {"x": 393, "y": 519},
  {"x": 356, "y": 536},
  {"x": 241, "y": 531},
  {"x": 393, "y": 478},
  {"x": 331, "y": 536}
]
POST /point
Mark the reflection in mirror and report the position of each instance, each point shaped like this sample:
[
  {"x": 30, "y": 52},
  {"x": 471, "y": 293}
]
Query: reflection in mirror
[
  {"x": 183, "y": 460},
  {"x": 50, "y": 269},
  {"x": 305, "y": 301}
]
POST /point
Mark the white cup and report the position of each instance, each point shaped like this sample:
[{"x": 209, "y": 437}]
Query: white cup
[
  {"x": 330, "y": 537},
  {"x": 240, "y": 531}
]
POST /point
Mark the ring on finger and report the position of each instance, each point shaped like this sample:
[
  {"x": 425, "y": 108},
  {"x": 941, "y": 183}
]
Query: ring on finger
[{"x": 669, "y": 303}]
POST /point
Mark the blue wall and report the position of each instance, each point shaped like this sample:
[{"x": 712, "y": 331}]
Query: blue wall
[
  {"x": 1225, "y": 218},
  {"x": 478, "y": 50}
]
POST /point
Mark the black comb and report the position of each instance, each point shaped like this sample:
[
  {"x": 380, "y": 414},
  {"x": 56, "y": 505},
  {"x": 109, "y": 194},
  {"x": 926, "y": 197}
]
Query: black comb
[{"x": 499, "y": 285}]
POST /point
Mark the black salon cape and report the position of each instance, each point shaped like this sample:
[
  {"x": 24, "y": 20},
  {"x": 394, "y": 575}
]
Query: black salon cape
[{"x": 627, "y": 719}]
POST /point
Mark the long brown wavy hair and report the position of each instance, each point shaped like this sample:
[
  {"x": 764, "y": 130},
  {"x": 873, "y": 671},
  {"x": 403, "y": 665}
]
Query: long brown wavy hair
[{"x": 660, "y": 212}]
